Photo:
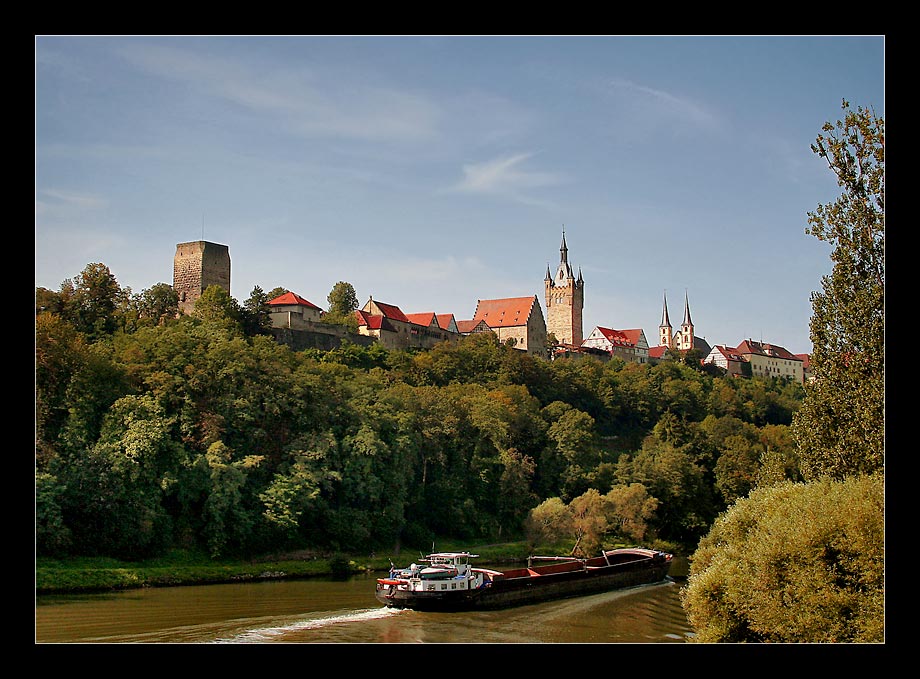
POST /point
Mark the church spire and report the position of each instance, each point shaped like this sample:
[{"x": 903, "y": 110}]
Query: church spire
[
  {"x": 563, "y": 249},
  {"x": 665, "y": 321},
  {"x": 687, "y": 320}
]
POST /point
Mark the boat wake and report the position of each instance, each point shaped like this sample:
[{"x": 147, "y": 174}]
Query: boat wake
[{"x": 273, "y": 633}]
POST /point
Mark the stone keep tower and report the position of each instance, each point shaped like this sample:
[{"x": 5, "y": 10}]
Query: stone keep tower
[
  {"x": 565, "y": 300},
  {"x": 196, "y": 266}
]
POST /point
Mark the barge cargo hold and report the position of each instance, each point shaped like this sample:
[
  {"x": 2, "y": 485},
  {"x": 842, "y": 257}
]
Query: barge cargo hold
[{"x": 450, "y": 583}]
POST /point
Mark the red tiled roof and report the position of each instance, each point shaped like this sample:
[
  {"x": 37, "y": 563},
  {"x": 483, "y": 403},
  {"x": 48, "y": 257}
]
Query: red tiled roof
[
  {"x": 752, "y": 347},
  {"x": 392, "y": 312},
  {"x": 504, "y": 313},
  {"x": 372, "y": 321},
  {"x": 469, "y": 326},
  {"x": 729, "y": 353},
  {"x": 633, "y": 335},
  {"x": 657, "y": 352},
  {"x": 629, "y": 338},
  {"x": 290, "y": 299},
  {"x": 444, "y": 321},
  {"x": 425, "y": 318}
]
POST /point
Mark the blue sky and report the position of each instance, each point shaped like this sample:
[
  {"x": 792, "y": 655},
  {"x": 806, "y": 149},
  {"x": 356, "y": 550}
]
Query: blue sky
[{"x": 433, "y": 171}]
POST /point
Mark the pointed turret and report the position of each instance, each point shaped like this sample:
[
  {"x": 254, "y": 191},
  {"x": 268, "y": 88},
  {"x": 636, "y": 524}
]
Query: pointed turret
[
  {"x": 665, "y": 321},
  {"x": 687, "y": 320},
  {"x": 563, "y": 249},
  {"x": 665, "y": 331},
  {"x": 686, "y": 336}
]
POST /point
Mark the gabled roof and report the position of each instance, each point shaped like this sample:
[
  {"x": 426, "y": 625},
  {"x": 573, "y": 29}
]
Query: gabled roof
[
  {"x": 466, "y": 327},
  {"x": 806, "y": 360},
  {"x": 774, "y": 350},
  {"x": 623, "y": 338},
  {"x": 657, "y": 352},
  {"x": 290, "y": 299},
  {"x": 633, "y": 335},
  {"x": 392, "y": 312},
  {"x": 616, "y": 337},
  {"x": 504, "y": 313},
  {"x": 373, "y": 321},
  {"x": 445, "y": 320},
  {"x": 729, "y": 353},
  {"x": 425, "y": 318}
]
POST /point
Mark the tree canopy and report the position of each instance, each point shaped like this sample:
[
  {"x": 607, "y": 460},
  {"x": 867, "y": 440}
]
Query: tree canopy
[
  {"x": 804, "y": 562},
  {"x": 793, "y": 563},
  {"x": 200, "y": 431},
  {"x": 840, "y": 428}
]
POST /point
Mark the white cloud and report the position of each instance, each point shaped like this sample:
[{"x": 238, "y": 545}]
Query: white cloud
[
  {"x": 654, "y": 103},
  {"x": 58, "y": 204},
  {"x": 75, "y": 199},
  {"x": 505, "y": 176}
]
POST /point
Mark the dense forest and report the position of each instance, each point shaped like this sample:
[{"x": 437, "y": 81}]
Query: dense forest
[{"x": 156, "y": 431}]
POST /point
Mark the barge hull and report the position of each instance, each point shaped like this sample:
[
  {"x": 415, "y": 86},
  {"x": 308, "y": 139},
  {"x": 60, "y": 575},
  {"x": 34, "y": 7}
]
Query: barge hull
[{"x": 503, "y": 593}]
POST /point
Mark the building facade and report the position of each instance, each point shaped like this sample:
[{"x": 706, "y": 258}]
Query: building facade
[
  {"x": 771, "y": 360},
  {"x": 565, "y": 300},
  {"x": 515, "y": 319},
  {"x": 630, "y": 345},
  {"x": 293, "y": 311},
  {"x": 397, "y": 330},
  {"x": 196, "y": 266},
  {"x": 726, "y": 358}
]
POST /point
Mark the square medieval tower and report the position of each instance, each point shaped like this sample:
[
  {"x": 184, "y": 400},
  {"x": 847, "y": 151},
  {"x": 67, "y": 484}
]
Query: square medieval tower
[
  {"x": 565, "y": 301},
  {"x": 197, "y": 265}
]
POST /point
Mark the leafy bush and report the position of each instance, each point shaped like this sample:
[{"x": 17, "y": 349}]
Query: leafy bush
[{"x": 793, "y": 563}]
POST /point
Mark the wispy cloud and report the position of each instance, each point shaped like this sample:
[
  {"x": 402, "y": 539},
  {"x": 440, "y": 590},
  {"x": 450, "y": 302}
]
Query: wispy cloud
[
  {"x": 305, "y": 101},
  {"x": 505, "y": 176},
  {"x": 655, "y": 103},
  {"x": 56, "y": 201}
]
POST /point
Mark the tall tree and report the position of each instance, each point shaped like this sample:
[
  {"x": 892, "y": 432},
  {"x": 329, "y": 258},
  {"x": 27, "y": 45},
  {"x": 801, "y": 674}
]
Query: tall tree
[
  {"x": 256, "y": 314},
  {"x": 840, "y": 426},
  {"x": 92, "y": 300},
  {"x": 342, "y": 304},
  {"x": 342, "y": 299},
  {"x": 158, "y": 303},
  {"x": 216, "y": 305}
]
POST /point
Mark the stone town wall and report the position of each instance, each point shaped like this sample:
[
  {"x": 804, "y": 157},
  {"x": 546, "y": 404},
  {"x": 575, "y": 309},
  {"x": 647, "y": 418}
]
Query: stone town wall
[{"x": 327, "y": 338}]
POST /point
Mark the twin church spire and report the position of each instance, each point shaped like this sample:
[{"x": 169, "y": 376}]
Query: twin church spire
[{"x": 684, "y": 338}]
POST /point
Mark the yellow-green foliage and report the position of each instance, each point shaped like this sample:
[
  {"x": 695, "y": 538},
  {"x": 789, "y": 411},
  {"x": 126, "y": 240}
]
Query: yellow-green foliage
[{"x": 793, "y": 563}]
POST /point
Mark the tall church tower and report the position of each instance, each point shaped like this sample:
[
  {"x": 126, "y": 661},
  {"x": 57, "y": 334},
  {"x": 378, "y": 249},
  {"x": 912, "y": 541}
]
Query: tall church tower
[
  {"x": 565, "y": 300},
  {"x": 665, "y": 331},
  {"x": 196, "y": 266}
]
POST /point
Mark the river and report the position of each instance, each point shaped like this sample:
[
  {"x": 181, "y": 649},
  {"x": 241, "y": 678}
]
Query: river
[{"x": 326, "y": 611}]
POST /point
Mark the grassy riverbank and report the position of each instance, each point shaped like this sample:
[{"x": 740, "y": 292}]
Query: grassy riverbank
[
  {"x": 91, "y": 574},
  {"x": 96, "y": 574}
]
